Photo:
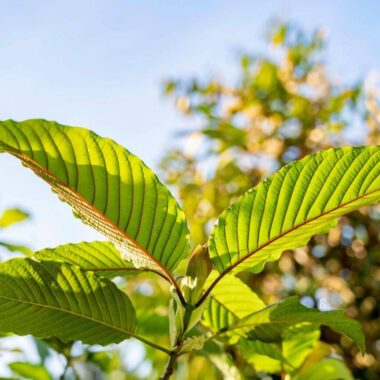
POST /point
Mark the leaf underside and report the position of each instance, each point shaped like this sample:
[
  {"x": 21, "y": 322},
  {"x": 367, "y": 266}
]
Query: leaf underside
[
  {"x": 98, "y": 256},
  {"x": 302, "y": 199},
  {"x": 269, "y": 324},
  {"x": 49, "y": 299},
  {"x": 108, "y": 187},
  {"x": 229, "y": 301}
]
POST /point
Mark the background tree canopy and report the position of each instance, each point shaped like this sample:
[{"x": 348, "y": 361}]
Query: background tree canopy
[{"x": 281, "y": 108}]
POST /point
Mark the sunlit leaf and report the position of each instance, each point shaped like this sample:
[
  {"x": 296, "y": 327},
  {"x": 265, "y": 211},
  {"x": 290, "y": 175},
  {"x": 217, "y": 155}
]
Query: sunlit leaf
[
  {"x": 98, "y": 256},
  {"x": 304, "y": 198},
  {"x": 51, "y": 299},
  {"x": 108, "y": 187},
  {"x": 230, "y": 300},
  {"x": 269, "y": 324},
  {"x": 265, "y": 357},
  {"x": 299, "y": 341}
]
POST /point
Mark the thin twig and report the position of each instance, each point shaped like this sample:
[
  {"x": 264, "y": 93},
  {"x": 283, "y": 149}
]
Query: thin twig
[{"x": 151, "y": 344}]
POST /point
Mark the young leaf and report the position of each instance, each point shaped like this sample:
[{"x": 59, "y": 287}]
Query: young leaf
[
  {"x": 193, "y": 343},
  {"x": 108, "y": 187},
  {"x": 303, "y": 198},
  {"x": 230, "y": 300},
  {"x": 98, "y": 256},
  {"x": 49, "y": 299},
  {"x": 197, "y": 271},
  {"x": 269, "y": 324}
]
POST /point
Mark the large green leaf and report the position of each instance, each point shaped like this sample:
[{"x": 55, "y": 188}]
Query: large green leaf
[
  {"x": 270, "y": 323},
  {"x": 98, "y": 256},
  {"x": 230, "y": 300},
  {"x": 108, "y": 187},
  {"x": 48, "y": 299},
  {"x": 303, "y": 198}
]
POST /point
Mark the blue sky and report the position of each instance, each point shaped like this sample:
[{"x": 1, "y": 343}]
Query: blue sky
[{"x": 99, "y": 64}]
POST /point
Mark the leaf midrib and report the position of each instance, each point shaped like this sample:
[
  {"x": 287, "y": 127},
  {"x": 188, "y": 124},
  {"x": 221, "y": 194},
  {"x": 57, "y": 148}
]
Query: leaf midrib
[
  {"x": 297, "y": 227},
  {"x": 29, "y": 162},
  {"x": 82, "y": 316},
  {"x": 237, "y": 263}
]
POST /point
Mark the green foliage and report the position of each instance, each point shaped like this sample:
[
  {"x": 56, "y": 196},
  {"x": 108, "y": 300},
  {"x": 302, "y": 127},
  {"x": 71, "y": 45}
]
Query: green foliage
[
  {"x": 230, "y": 300},
  {"x": 52, "y": 299},
  {"x": 67, "y": 285},
  {"x": 85, "y": 171},
  {"x": 280, "y": 107},
  {"x": 99, "y": 257},
  {"x": 64, "y": 292},
  {"x": 303, "y": 199},
  {"x": 281, "y": 110},
  {"x": 269, "y": 324}
]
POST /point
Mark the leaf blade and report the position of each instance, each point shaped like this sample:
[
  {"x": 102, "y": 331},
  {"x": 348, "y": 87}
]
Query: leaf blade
[
  {"x": 108, "y": 187},
  {"x": 229, "y": 301},
  {"x": 51, "y": 299},
  {"x": 304, "y": 198},
  {"x": 99, "y": 256},
  {"x": 269, "y": 323}
]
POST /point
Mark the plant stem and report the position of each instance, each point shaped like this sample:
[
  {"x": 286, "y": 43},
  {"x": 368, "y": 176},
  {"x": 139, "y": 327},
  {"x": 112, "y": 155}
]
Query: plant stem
[
  {"x": 169, "y": 369},
  {"x": 151, "y": 344}
]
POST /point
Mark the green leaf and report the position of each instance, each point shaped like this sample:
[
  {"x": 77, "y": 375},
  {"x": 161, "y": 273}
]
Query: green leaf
[
  {"x": 273, "y": 350},
  {"x": 230, "y": 300},
  {"x": 264, "y": 357},
  {"x": 30, "y": 371},
  {"x": 299, "y": 341},
  {"x": 16, "y": 248},
  {"x": 108, "y": 187},
  {"x": 326, "y": 369},
  {"x": 52, "y": 299},
  {"x": 198, "y": 269},
  {"x": 302, "y": 199},
  {"x": 12, "y": 216},
  {"x": 98, "y": 256},
  {"x": 269, "y": 324}
]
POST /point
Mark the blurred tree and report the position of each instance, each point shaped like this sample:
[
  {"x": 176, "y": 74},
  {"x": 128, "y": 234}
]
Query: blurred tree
[{"x": 282, "y": 108}]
